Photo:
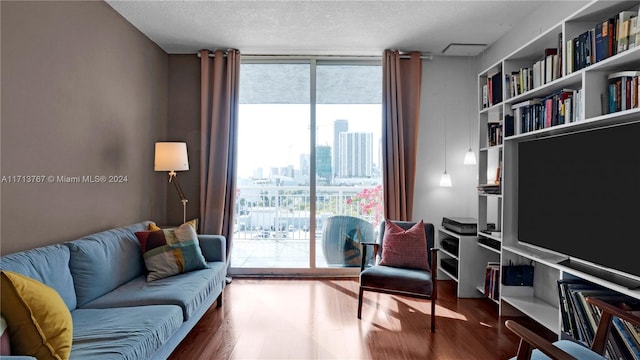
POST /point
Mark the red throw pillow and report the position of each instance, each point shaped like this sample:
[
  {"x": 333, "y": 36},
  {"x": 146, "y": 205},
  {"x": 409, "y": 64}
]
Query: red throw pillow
[{"x": 405, "y": 248}]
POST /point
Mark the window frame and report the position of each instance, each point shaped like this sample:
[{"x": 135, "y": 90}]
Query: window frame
[{"x": 313, "y": 62}]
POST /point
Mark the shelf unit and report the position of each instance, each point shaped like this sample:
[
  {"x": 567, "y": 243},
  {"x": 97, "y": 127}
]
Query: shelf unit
[
  {"x": 540, "y": 301},
  {"x": 469, "y": 276}
]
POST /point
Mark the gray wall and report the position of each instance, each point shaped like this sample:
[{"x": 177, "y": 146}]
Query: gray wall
[
  {"x": 83, "y": 94},
  {"x": 448, "y": 95},
  {"x": 184, "y": 125}
]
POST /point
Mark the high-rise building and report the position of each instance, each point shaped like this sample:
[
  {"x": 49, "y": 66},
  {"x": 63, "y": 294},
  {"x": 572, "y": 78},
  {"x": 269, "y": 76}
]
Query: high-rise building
[
  {"x": 356, "y": 155},
  {"x": 305, "y": 164},
  {"x": 323, "y": 163},
  {"x": 339, "y": 126}
]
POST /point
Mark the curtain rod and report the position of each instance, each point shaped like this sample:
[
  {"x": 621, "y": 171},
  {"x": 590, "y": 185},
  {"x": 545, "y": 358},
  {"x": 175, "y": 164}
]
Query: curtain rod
[{"x": 341, "y": 57}]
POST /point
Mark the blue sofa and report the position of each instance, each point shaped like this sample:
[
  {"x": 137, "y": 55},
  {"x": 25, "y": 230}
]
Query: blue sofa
[{"x": 116, "y": 313}]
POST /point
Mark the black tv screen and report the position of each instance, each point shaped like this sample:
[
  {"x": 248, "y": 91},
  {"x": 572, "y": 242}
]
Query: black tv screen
[{"x": 579, "y": 195}]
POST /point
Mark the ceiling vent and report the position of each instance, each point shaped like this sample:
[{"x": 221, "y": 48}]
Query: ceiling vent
[{"x": 459, "y": 49}]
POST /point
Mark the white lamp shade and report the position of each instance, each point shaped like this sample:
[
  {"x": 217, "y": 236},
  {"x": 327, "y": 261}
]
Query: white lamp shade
[
  {"x": 171, "y": 156},
  {"x": 470, "y": 158},
  {"x": 445, "y": 179}
]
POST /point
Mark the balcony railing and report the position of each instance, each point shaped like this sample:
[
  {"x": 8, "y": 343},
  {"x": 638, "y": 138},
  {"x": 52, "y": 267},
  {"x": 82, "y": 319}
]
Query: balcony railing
[{"x": 272, "y": 223}]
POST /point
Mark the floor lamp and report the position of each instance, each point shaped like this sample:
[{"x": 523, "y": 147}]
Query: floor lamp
[{"x": 172, "y": 157}]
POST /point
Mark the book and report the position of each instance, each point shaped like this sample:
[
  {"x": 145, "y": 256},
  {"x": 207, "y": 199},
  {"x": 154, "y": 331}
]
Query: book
[
  {"x": 638, "y": 29},
  {"x": 548, "y": 72},
  {"x": 631, "y": 346},
  {"x": 622, "y": 29},
  {"x": 560, "y": 57},
  {"x": 623, "y": 36},
  {"x": 569, "y": 57},
  {"x": 600, "y": 50},
  {"x": 485, "y": 96},
  {"x": 495, "y": 89},
  {"x": 633, "y": 30},
  {"x": 568, "y": 110},
  {"x": 603, "y": 48},
  {"x": 508, "y": 125}
]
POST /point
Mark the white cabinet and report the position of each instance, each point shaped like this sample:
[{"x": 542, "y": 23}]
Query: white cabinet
[{"x": 463, "y": 262}]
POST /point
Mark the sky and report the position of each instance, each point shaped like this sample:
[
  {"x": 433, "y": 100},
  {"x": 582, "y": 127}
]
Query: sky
[{"x": 274, "y": 135}]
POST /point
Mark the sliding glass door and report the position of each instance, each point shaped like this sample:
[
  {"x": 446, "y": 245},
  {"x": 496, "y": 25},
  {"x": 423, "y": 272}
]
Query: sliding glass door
[{"x": 309, "y": 177}]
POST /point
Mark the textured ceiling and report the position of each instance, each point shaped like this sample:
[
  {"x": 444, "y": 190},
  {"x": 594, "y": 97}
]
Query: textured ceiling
[{"x": 322, "y": 27}]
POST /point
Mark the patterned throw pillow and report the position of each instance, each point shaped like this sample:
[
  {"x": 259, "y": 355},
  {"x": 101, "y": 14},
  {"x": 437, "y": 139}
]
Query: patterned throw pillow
[
  {"x": 405, "y": 248},
  {"x": 170, "y": 252},
  {"x": 38, "y": 320}
]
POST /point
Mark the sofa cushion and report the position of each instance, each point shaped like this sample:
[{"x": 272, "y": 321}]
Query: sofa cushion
[
  {"x": 48, "y": 265},
  {"x": 39, "y": 321},
  {"x": 123, "y": 333},
  {"x": 186, "y": 290},
  {"x": 170, "y": 252},
  {"x": 103, "y": 261}
]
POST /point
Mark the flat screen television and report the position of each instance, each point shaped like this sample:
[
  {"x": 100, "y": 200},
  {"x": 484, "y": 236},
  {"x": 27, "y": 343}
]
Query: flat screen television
[{"x": 579, "y": 196}]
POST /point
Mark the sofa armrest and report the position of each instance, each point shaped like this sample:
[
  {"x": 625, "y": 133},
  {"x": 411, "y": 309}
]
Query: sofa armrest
[{"x": 214, "y": 247}]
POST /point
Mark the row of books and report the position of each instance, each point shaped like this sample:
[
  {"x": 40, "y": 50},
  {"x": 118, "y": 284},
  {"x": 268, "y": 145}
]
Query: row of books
[
  {"x": 545, "y": 70},
  {"x": 494, "y": 133},
  {"x": 623, "y": 92},
  {"x": 492, "y": 90},
  {"x": 607, "y": 38},
  {"x": 492, "y": 281},
  {"x": 580, "y": 319},
  {"x": 560, "y": 107}
]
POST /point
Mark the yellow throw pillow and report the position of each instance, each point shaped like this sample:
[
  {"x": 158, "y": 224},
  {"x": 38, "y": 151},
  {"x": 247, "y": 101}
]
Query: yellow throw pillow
[
  {"x": 39, "y": 321},
  {"x": 193, "y": 223},
  {"x": 153, "y": 227}
]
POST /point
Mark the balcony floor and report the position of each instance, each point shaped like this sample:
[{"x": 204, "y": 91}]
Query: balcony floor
[{"x": 248, "y": 251}]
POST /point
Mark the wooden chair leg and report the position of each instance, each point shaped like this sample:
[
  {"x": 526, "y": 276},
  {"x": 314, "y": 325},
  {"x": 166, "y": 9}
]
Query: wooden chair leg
[
  {"x": 360, "y": 303},
  {"x": 433, "y": 315}
]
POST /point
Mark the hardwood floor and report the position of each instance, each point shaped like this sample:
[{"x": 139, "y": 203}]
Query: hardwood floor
[{"x": 316, "y": 319}]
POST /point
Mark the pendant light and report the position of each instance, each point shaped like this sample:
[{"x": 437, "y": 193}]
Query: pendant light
[
  {"x": 445, "y": 179},
  {"x": 469, "y": 156}
]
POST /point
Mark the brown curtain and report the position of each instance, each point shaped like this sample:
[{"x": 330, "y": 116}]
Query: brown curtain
[
  {"x": 219, "y": 82},
  {"x": 401, "y": 113}
]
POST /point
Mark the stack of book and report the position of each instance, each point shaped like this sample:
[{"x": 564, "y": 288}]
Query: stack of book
[
  {"x": 492, "y": 90},
  {"x": 580, "y": 319},
  {"x": 494, "y": 133},
  {"x": 489, "y": 189},
  {"x": 545, "y": 70},
  {"x": 557, "y": 108},
  {"x": 622, "y": 91},
  {"x": 492, "y": 281}
]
